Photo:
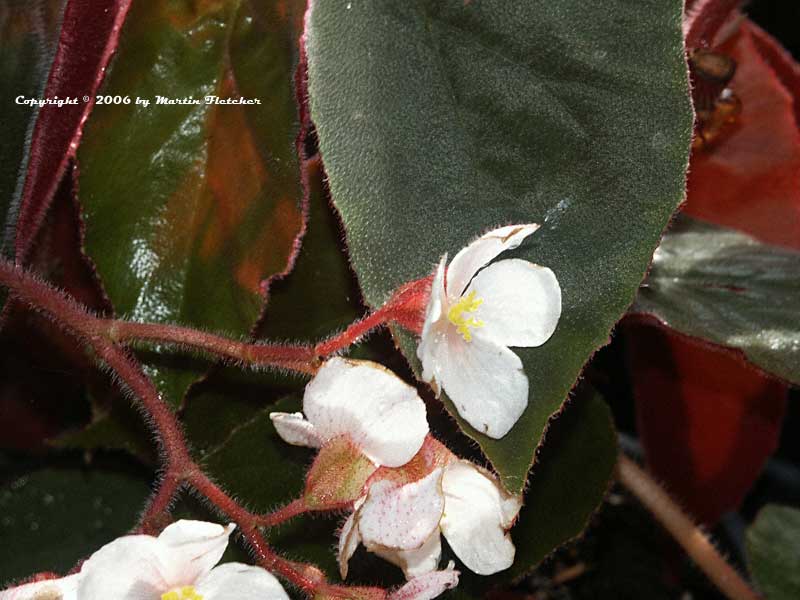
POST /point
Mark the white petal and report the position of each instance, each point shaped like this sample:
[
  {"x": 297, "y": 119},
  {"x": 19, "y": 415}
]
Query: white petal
[
  {"x": 476, "y": 514},
  {"x": 436, "y": 305},
  {"x": 485, "y": 381},
  {"x": 428, "y": 586},
  {"x": 235, "y": 581},
  {"x": 294, "y": 429},
  {"x": 133, "y": 567},
  {"x": 381, "y": 413},
  {"x": 521, "y": 302},
  {"x": 402, "y": 517},
  {"x": 415, "y": 562},
  {"x": 480, "y": 252},
  {"x": 193, "y": 548},
  {"x": 65, "y": 588},
  {"x": 349, "y": 539}
]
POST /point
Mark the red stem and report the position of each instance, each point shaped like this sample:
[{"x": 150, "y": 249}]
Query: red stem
[
  {"x": 296, "y": 358},
  {"x": 179, "y": 466},
  {"x": 158, "y": 507},
  {"x": 291, "y": 510},
  {"x": 306, "y": 577}
]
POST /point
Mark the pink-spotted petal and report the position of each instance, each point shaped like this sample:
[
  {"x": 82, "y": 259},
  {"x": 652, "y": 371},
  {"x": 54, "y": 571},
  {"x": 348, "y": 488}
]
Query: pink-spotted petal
[
  {"x": 402, "y": 517},
  {"x": 427, "y": 586}
]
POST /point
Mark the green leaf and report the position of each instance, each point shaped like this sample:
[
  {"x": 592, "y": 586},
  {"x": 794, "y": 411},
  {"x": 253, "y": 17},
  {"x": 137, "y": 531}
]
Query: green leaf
[
  {"x": 726, "y": 287},
  {"x": 190, "y": 207},
  {"x": 52, "y": 518},
  {"x": 439, "y": 120},
  {"x": 773, "y": 550},
  {"x": 572, "y": 473}
]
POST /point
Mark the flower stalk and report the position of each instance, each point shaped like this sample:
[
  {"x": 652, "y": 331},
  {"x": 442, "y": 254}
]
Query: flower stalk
[{"x": 681, "y": 527}]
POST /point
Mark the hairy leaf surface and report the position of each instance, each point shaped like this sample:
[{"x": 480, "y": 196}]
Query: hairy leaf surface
[{"x": 440, "y": 120}]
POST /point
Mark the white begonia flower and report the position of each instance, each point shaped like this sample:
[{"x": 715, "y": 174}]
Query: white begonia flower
[
  {"x": 402, "y": 523},
  {"x": 474, "y": 314},
  {"x": 382, "y": 415},
  {"x": 176, "y": 565},
  {"x": 428, "y": 586},
  {"x": 65, "y": 588}
]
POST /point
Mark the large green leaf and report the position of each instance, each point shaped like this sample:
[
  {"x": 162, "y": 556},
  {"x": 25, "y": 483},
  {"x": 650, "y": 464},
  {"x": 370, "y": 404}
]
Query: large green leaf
[
  {"x": 190, "y": 207},
  {"x": 52, "y": 518},
  {"x": 726, "y": 287},
  {"x": 438, "y": 120},
  {"x": 773, "y": 550}
]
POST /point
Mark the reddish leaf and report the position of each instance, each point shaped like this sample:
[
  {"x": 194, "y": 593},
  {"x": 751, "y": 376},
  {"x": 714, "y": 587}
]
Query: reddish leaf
[
  {"x": 42, "y": 399},
  {"x": 750, "y": 180},
  {"x": 89, "y": 35},
  {"x": 704, "y": 18},
  {"x": 707, "y": 422},
  {"x": 785, "y": 67}
]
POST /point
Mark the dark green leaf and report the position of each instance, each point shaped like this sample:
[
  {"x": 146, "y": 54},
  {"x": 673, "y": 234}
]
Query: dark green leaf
[
  {"x": 52, "y": 518},
  {"x": 773, "y": 549},
  {"x": 439, "y": 120},
  {"x": 726, "y": 287},
  {"x": 189, "y": 208},
  {"x": 119, "y": 428},
  {"x": 573, "y": 470},
  {"x": 256, "y": 465}
]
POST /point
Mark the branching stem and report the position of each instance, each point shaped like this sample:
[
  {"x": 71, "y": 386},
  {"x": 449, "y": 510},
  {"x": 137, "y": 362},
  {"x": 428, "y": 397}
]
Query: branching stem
[{"x": 691, "y": 538}]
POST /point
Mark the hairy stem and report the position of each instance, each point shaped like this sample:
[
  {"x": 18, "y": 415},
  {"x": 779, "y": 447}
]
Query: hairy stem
[
  {"x": 157, "y": 510},
  {"x": 295, "y": 358},
  {"x": 291, "y": 510},
  {"x": 178, "y": 465},
  {"x": 306, "y": 577},
  {"x": 683, "y": 530}
]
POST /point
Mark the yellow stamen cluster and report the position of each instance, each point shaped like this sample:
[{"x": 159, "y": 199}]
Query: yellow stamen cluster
[
  {"x": 187, "y": 592},
  {"x": 467, "y": 304}
]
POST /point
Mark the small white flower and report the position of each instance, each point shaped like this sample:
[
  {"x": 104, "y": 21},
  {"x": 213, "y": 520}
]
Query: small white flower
[
  {"x": 428, "y": 586},
  {"x": 65, "y": 588},
  {"x": 176, "y": 565},
  {"x": 402, "y": 523},
  {"x": 382, "y": 415},
  {"x": 474, "y": 314}
]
